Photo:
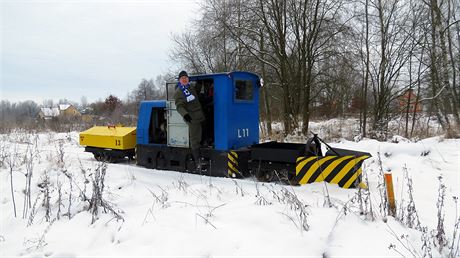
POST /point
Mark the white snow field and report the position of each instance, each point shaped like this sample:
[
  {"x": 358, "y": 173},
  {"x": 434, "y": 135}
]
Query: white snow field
[{"x": 167, "y": 213}]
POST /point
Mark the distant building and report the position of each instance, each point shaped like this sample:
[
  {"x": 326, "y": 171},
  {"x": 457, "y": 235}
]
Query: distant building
[
  {"x": 409, "y": 98},
  {"x": 86, "y": 110},
  {"x": 86, "y": 115},
  {"x": 62, "y": 111},
  {"x": 67, "y": 110},
  {"x": 48, "y": 113}
]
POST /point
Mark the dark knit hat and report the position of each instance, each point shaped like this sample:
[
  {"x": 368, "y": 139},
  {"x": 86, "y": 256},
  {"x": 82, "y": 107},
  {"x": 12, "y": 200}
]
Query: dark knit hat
[{"x": 183, "y": 73}]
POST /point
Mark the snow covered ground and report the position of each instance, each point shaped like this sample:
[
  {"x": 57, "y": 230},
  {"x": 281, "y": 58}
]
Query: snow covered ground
[{"x": 167, "y": 213}]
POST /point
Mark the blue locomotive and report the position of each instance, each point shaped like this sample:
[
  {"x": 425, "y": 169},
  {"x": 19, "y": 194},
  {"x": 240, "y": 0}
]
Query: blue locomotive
[{"x": 230, "y": 144}]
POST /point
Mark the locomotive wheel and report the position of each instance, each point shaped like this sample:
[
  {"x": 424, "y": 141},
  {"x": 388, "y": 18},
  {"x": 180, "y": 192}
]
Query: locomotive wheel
[
  {"x": 190, "y": 165},
  {"x": 161, "y": 160},
  {"x": 97, "y": 156},
  {"x": 111, "y": 159},
  {"x": 104, "y": 157},
  {"x": 265, "y": 175},
  {"x": 282, "y": 176}
]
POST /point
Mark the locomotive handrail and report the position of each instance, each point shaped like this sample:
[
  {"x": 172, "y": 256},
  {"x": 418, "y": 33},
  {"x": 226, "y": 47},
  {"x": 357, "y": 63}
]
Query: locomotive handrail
[{"x": 317, "y": 141}]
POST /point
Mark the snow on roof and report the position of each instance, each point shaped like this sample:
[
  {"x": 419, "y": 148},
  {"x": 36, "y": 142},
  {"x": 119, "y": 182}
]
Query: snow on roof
[
  {"x": 63, "y": 107},
  {"x": 50, "y": 112}
]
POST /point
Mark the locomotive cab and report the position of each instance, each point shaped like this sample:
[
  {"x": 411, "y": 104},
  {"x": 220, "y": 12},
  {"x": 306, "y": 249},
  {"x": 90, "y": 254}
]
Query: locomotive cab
[{"x": 230, "y": 103}]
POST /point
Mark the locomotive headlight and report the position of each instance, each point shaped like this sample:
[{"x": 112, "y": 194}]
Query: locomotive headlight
[{"x": 261, "y": 82}]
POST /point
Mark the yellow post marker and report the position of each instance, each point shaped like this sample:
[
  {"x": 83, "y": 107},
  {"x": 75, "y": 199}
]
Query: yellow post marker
[{"x": 390, "y": 194}]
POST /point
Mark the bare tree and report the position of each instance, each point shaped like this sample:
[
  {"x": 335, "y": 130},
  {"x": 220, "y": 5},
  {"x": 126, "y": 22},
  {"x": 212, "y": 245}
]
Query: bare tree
[
  {"x": 13, "y": 161},
  {"x": 29, "y": 157},
  {"x": 84, "y": 101},
  {"x": 416, "y": 38},
  {"x": 299, "y": 35},
  {"x": 447, "y": 97},
  {"x": 391, "y": 53}
]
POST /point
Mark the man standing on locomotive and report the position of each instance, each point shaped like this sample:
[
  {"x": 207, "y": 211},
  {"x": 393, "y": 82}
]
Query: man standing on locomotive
[{"x": 188, "y": 105}]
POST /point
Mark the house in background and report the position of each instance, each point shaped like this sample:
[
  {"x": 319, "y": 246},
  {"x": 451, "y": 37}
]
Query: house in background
[
  {"x": 409, "y": 98},
  {"x": 66, "y": 110},
  {"x": 86, "y": 115},
  {"x": 48, "y": 113},
  {"x": 61, "y": 111}
]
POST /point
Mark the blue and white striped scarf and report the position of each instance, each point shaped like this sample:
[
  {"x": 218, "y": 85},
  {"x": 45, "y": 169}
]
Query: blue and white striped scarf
[{"x": 185, "y": 89}]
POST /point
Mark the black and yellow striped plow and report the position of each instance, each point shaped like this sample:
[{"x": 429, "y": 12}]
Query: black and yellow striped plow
[
  {"x": 342, "y": 170},
  {"x": 232, "y": 163}
]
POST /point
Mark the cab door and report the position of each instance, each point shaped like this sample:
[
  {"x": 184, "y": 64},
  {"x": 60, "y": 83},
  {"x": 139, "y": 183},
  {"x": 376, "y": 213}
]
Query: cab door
[{"x": 177, "y": 128}]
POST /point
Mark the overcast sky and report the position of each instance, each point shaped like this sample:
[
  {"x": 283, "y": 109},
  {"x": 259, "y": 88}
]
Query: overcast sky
[{"x": 72, "y": 48}]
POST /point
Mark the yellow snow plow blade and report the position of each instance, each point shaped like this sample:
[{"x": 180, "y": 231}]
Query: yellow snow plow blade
[
  {"x": 342, "y": 170},
  {"x": 109, "y": 137}
]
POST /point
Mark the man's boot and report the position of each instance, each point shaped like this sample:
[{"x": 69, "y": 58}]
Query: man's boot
[{"x": 197, "y": 158}]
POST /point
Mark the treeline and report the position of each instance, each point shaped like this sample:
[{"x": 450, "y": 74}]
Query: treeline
[
  {"x": 111, "y": 110},
  {"x": 332, "y": 57},
  {"x": 21, "y": 114}
]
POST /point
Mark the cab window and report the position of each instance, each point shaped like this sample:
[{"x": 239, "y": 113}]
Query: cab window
[{"x": 243, "y": 90}]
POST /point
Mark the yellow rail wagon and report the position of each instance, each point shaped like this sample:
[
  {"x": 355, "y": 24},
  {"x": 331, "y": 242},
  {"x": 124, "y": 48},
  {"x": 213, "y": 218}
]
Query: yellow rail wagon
[{"x": 109, "y": 143}]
